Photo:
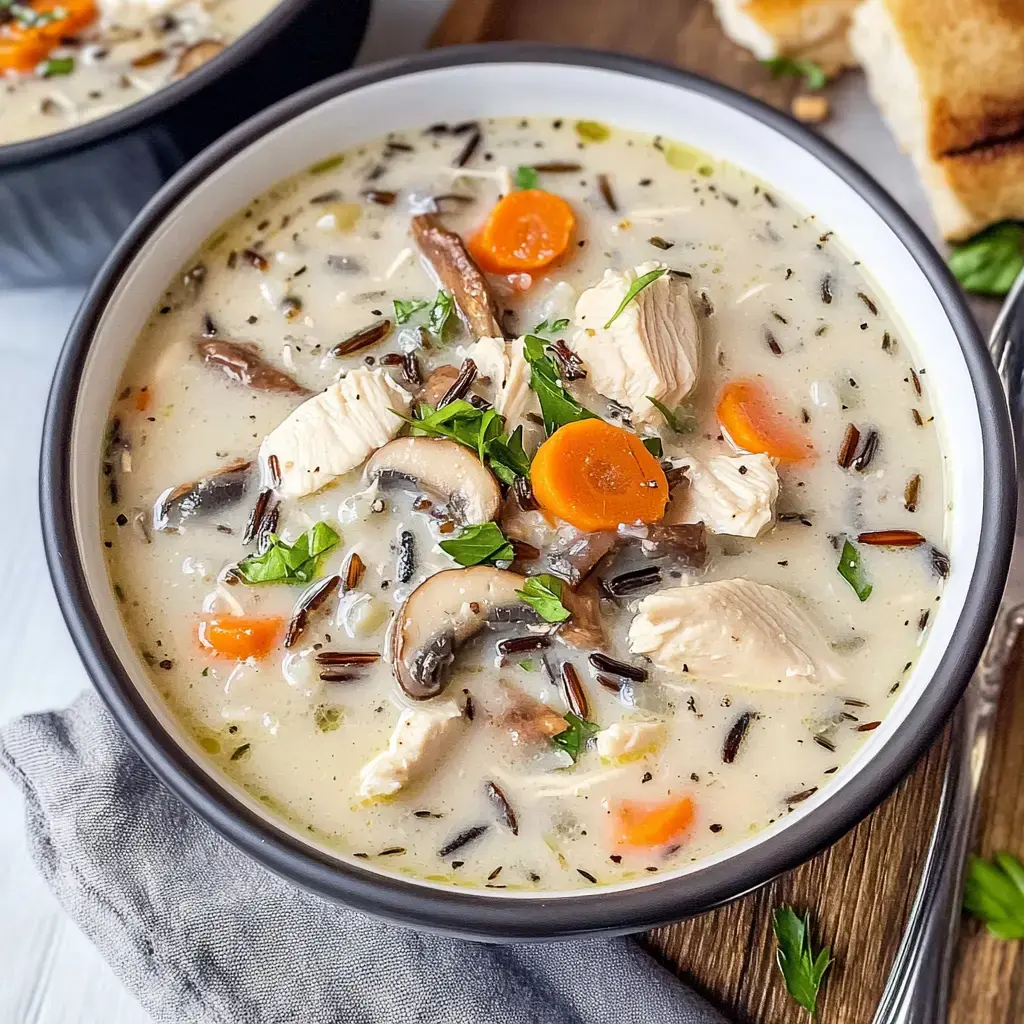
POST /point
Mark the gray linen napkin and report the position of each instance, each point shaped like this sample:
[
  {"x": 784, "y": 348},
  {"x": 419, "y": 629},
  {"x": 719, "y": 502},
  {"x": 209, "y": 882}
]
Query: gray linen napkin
[{"x": 202, "y": 935}]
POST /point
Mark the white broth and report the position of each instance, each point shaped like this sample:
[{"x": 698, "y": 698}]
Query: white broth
[
  {"x": 749, "y": 695},
  {"x": 66, "y": 62}
]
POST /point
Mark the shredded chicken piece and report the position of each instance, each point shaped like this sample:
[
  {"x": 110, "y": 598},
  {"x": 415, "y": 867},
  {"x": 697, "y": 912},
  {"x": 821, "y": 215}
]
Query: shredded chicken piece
[
  {"x": 734, "y": 631},
  {"x": 650, "y": 350},
  {"x": 418, "y": 741}
]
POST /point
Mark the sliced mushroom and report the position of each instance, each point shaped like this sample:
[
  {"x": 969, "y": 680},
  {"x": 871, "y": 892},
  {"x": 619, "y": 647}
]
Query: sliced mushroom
[
  {"x": 574, "y": 553},
  {"x": 527, "y": 719},
  {"x": 200, "y": 497},
  {"x": 241, "y": 361},
  {"x": 441, "y": 614},
  {"x": 584, "y": 629},
  {"x": 458, "y": 274},
  {"x": 437, "y": 384},
  {"x": 196, "y": 56},
  {"x": 687, "y": 543},
  {"x": 442, "y": 467}
]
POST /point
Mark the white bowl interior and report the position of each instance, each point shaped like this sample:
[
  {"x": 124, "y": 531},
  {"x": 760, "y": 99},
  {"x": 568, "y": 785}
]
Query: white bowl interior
[{"x": 495, "y": 90}]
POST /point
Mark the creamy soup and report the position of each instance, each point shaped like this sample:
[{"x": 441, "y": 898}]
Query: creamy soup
[
  {"x": 64, "y": 62},
  {"x": 527, "y": 504}
]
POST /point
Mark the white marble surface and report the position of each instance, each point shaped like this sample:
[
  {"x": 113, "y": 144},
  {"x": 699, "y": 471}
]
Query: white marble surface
[{"x": 49, "y": 973}]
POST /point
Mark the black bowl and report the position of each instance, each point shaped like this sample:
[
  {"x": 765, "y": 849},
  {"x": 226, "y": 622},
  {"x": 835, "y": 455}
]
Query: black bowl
[
  {"x": 456, "y": 84},
  {"x": 66, "y": 198}
]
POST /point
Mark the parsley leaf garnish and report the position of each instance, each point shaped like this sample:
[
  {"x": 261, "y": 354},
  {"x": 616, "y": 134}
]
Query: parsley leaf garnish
[
  {"x": 507, "y": 457},
  {"x": 481, "y": 544},
  {"x": 526, "y": 177},
  {"x": 406, "y": 309},
  {"x": 853, "y": 572},
  {"x": 327, "y": 717},
  {"x": 994, "y": 892},
  {"x": 802, "y": 970},
  {"x": 989, "y": 262},
  {"x": 813, "y": 74},
  {"x": 556, "y": 327},
  {"x": 574, "y": 739},
  {"x": 557, "y": 406},
  {"x": 670, "y": 416},
  {"x": 480, "y": 430},
  {"x": 57, "y": 66},
  {"x": 543, "y": 593},
  {"x": 440, "y": 313},
  {"x": 635, "y": 289},
  {"x": 654, "y": 446},
  {"x": 289, "y": 563}
]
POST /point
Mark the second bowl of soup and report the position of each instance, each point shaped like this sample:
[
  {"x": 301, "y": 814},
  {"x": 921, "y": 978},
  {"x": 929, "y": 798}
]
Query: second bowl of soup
[{"x": 521, "y": 499}]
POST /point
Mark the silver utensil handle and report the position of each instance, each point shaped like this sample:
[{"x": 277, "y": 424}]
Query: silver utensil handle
[{"x": 917, "y": 990}]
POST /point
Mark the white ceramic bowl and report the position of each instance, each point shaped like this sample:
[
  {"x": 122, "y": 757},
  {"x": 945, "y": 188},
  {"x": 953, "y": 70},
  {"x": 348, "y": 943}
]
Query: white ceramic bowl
[{"x": 462, "y": 84}]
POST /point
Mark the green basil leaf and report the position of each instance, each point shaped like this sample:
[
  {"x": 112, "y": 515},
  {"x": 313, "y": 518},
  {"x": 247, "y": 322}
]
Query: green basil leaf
[
  {"x": 406, "y": 309},
  {"x": 543, "y": 593},
  {"x": 557, "y": 406},
  {"x": 989, "y": 262},
  {"x": 440, "y": 314},
  {"x": 482, "y": 544},
  {"x": 560, "y": 325},
  {"x": 654, "y": 446},
  {"x": 57, "y": 66},
  {"x": 813, "y": 74},
  {"x": 574, "y": 739},
  {"x": 541, "y": 327},
  {"x": 802, "y": 970},
  {"x": 994, "y": 892},
  {"x": 526, "y": 177},
  {"x": 290, "y": 563},
  {"x": 852, "y": 571},
  {"x": 635, "y": 289}
]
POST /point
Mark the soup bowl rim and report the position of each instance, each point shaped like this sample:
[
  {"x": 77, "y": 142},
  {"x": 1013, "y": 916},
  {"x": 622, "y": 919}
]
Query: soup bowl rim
[
  {"x": 126, "y": 119},
  {"x": 473, "y": 912}
]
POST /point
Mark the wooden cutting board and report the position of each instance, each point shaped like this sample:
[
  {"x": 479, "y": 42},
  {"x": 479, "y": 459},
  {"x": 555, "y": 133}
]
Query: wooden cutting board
[{"x": 860, "y": 890}]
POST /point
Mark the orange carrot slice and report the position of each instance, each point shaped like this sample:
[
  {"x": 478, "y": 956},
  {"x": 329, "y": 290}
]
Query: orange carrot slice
[
  {"x": 750, "y": 415},
  {"x": 23, "y": 47},
  {"x": 596, "y": 476},
  {"x": 526, "y": 230},
  {"x": 647, "y": 825},
  {"x": 240, "y": 636}
]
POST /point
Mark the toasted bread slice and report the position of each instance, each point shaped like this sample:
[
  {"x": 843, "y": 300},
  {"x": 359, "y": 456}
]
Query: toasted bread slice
[
  {"x": 809, "y": 29},
  {"x": 948, "y": 76}
]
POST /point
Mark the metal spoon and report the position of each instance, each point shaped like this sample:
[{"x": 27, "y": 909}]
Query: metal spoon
[{"x": 917, "y": 989}]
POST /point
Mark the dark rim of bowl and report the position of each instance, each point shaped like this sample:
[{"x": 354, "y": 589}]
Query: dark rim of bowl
[
  {"x": 472, "y": 912},
  {"x": 120, "y": 122}
]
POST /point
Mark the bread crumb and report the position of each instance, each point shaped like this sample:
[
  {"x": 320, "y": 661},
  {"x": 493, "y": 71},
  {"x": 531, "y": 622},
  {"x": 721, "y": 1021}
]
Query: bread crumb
[{"x": 810, "y": 109}]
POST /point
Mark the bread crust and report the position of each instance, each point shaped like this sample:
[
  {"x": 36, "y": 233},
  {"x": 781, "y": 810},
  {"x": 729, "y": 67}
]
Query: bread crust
[
  {"x": 948, "y": 76},
  {"x": 811, "y": 29},
  {"x": 969, "y": 56}
]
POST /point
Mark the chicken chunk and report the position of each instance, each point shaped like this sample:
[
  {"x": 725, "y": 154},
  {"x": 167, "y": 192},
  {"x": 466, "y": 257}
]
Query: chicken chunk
[
  {"x": 337, "y": 430},
  {"x": 509, "y": 372},
  {"x": 734, "y": 631},
  {"x": 651, "y": 349},
  {"x": 417, "y": 743},
  {"x": 730, "y": 494},
  {"x": 629, "y": 739}
]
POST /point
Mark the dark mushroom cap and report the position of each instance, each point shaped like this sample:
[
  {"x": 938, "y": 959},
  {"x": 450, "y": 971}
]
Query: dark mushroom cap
[
  {"x": 441, "y": 614},
  {"x": 441, "y": 467}
]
